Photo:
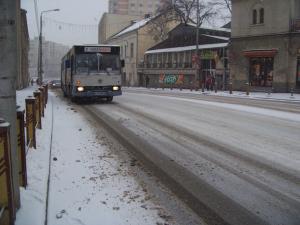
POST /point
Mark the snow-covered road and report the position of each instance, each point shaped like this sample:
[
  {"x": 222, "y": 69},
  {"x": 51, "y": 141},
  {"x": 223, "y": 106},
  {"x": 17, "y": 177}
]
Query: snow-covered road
[
  {"x": 247, "y": 159},
  {"x": 92, "y": 179}
]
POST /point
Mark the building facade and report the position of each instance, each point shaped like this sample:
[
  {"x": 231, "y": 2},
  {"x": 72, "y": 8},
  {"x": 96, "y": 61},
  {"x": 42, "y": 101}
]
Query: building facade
[
  {"x": 111, "y": 24},
  {"x": 52, "y": 55},
  {"x": 133, "y": 7},
  {"x": 23, "y": 49},
  {"x": 134, "y": 41},
  {"x": 174, "y": 62},
  {"x": 265, "y": 45}
]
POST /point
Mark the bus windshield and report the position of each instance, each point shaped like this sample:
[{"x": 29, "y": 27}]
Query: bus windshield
[{"x": 96, "y": 63}]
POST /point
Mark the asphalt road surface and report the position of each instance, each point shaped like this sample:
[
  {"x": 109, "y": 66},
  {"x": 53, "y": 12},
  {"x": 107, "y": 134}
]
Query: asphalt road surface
[{"x": 236, "y": 163}]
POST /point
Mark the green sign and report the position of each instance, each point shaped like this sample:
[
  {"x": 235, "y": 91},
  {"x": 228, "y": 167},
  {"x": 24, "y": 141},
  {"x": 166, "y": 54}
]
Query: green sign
[{"x": 171, "y": 79}]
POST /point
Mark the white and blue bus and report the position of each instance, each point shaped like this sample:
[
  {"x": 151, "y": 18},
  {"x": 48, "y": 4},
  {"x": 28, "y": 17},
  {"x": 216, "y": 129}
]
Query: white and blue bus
[{"x": 91, "y": 72}]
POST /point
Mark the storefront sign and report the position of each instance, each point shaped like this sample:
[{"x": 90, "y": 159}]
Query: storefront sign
[
  {"x": 207, "y": 54},
  {"x": 171, "y": 79}
]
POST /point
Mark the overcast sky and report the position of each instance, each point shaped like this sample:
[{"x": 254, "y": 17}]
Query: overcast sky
[{"x": 58, "y": 25}]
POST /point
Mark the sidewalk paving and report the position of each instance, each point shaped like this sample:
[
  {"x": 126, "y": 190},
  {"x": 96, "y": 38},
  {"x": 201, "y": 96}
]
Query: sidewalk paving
[
  {"x": 286, "y": 97},
  {"x": 89, "y": 183}
]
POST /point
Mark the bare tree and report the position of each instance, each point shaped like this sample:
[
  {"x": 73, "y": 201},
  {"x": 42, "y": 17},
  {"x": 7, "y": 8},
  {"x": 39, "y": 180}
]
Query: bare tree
[
  {"x": 159, "y": 25},
  {"x": 224, "y": 5},
  {"x": 183, "y": 11},
  {"x": 227, "y": 5},
  {"x": 186, "y": 10}
]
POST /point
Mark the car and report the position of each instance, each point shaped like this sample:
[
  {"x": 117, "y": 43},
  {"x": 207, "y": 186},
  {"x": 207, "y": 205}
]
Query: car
[{"x": 55, "y": 84}]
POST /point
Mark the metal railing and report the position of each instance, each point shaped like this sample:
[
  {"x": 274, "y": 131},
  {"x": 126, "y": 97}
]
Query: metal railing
[{"x": 34, "y": 112}]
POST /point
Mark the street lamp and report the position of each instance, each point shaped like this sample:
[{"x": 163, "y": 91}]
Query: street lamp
[
  {"x": 198, "y": 60},
  {"x": 40, "y": 56}
]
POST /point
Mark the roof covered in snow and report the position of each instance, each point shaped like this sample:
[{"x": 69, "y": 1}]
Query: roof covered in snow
[
  {"x": 188, "y": 48},
  {"x": 137, "y": 25},
  {"x": 184, "y": 37}
]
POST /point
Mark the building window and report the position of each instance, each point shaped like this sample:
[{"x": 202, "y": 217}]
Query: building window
[
  {"x": 261, "y": 71},
  {"x": 254, "y": 16},
  {"x": 262, "y": 15},
  {"x": 131, "y": 50}
]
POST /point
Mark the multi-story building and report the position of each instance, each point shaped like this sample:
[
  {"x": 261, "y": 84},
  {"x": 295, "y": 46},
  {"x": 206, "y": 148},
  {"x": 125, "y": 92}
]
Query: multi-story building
[
  {"x": 111, "y": 24},
  {"x": 133, "y": 7},
  {"x": 265, "y": 45},
  {"x": 134, "y": 41},
  {"x": 52, "y": 55}
]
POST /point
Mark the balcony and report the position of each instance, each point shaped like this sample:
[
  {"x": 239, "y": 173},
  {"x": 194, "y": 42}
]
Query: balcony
[{"x": 295, "y": 25}]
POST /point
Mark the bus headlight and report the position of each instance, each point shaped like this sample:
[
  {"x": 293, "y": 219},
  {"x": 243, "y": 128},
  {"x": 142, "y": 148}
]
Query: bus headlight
[
  {"x": 116, "y": 88},
  {"x": 80, "y": 89}
]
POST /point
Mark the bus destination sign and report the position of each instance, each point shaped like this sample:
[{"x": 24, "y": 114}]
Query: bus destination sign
[{"x": 98, "y": 49}]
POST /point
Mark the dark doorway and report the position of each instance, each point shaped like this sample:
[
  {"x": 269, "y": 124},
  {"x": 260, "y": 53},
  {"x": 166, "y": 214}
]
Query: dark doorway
[{"x": 261, "y": 72}]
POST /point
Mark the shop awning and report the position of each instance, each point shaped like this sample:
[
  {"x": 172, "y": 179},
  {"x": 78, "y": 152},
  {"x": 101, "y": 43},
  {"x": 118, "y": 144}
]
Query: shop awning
[{"x": 261, "y": 53}]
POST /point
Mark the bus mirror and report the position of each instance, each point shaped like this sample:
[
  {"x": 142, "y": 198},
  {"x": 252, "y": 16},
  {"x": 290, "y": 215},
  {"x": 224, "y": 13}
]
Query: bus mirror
[
  {"x": 67, "y": 62},
  {"x": 123, "y": 63}
]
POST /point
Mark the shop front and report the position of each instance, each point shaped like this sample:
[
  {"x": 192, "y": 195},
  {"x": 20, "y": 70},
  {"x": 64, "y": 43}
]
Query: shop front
[
  {"x": 261, "y": 67},
  {"x": 261, "y": 72}
]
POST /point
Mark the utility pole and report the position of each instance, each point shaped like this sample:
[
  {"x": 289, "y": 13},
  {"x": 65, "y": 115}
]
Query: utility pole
[
  {"x": 198, "y": 60},
  {"x": 40, "y": 53},
  {"x": 40, "y": 56},
  {"x": 8, "y": 76}
]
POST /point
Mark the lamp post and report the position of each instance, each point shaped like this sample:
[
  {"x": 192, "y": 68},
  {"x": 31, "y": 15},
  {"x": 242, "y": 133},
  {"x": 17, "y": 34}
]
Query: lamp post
[
  {"x": 40, "y": 56},
  {"x": 198, "y": 60}
]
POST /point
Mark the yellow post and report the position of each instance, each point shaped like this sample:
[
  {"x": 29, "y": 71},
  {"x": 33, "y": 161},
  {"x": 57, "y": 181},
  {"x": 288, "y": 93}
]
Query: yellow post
[
  {"x": 42, "y": 102},
  {"x": 7, "y": 208},
  {"x": 38, "y": 105},
  {"x": 21, "y": 148},
  {"x": 30, "y": 122},
  {"x": 46, "y": 94}
]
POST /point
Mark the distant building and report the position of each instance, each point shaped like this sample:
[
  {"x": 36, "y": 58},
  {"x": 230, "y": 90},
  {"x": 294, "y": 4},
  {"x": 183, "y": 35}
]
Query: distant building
[
  {"x": 265, "y": 45},
  {"x": 133, "y": 7},
  {"x": 134, "y": 41},
  {"x": 173, "y": 62},
  {"x": 52, "y": 55},
  {"x": 111, "y": 24}
]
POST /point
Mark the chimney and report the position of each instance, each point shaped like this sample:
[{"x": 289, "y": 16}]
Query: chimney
[{"x": 148, "y": 15}]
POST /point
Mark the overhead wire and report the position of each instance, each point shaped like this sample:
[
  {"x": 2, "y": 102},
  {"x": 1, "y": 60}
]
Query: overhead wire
[{"x": 61, "y": 25}]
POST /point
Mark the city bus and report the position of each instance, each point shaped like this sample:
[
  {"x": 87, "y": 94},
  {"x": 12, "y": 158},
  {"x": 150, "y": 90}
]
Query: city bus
[{"x": 92, "y": 72}]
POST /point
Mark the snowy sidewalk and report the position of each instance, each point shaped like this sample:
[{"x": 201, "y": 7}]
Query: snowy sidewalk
[
  {"x": 284, "y": 97},
  {"x": 89, "y": 184}
]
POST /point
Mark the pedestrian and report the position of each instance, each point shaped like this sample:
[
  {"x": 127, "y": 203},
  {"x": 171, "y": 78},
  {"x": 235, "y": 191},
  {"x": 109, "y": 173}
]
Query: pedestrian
[{"x": 208, "y": 83}]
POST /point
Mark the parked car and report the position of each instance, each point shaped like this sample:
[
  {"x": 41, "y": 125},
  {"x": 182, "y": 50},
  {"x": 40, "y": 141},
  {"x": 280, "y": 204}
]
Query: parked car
[{"x": 55, "y": 84}]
